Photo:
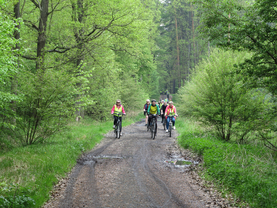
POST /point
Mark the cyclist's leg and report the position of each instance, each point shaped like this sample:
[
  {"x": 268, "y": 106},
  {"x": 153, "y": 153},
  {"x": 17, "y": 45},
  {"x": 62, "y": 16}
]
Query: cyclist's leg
[
  {"x": 167, "y": 122},
  {"x": 114, "y": 121},
  {"x": 156, "y": 123},
  {"x": 149, "y": 119},
  {"x": 120, "y": 118},
  {"x": 146, "y": 119},
  {"x": 173, "y": 121}
]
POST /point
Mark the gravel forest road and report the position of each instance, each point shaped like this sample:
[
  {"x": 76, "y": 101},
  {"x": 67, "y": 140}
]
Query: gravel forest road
[{"x": 130, "y": 172}]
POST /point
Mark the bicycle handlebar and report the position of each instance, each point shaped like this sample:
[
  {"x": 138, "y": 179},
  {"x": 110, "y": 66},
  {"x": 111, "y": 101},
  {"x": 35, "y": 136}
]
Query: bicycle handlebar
[
  {"x": 173, "y": 115},
  {"x": 118, "y": 114},
  {"x": 152, "y": 114}
]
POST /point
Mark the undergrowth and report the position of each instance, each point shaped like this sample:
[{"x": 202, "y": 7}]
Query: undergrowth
[
  {"x": 249, "y": 171},
  {"x": 27, "y": 174}
]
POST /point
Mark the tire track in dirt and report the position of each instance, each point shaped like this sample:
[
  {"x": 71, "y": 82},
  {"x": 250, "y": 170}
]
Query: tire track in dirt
[{"x": 129, "y": 172}]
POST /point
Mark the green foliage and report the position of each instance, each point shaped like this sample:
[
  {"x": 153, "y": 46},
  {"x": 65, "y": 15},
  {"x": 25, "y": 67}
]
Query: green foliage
[
  {"x": 248, "y": 171},
  {"x": 217, "y": 97},
  {"x": 8, "y": 70},
  {"x": 179, "y": 46},
  {"x": 48, "y": 102},
  {"x": 245, "y": 25},
  {"x": 15, "y": 196},
  {"x": 112, "y": 45},
  {"x": 41, "y": 165},
  {"x": 133, "y": 95}
]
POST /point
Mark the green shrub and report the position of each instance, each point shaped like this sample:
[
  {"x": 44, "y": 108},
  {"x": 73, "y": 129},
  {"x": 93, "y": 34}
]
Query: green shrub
[
  {"x": 39, "y": 166},
  {"x": 48, "y": 100},
  {"x": 8, "y": 73},
  {"x": 14, "y": 196},
  {"x": 249, "y": 171},
  {"x": 216, "y": 96}
]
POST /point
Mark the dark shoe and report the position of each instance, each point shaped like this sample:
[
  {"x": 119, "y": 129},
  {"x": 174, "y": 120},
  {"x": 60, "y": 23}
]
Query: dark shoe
[{"x": 145, "y": 124}]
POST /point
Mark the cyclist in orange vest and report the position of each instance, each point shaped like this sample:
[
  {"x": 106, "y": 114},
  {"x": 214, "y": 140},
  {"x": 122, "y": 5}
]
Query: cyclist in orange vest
[{"x": 170, "y": 111}]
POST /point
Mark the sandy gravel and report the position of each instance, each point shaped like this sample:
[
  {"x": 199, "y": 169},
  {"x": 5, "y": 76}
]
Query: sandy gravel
[{"x": 131, "y": 172}]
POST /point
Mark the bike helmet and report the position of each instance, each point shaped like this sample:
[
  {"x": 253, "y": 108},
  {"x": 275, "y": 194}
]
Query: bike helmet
[
  {"x": 153, "y": 100},
  {"x": 170, "y": 102},
  {"x": 147, "y": 100},
  {"x": 118, "y": 101}
]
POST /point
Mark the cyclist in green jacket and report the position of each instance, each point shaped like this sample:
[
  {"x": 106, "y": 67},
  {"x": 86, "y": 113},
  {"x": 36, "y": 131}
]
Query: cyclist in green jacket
[{"x": 153, "y": 110}]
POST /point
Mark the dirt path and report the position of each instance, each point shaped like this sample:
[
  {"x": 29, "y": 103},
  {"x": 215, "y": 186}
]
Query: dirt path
[{"x": 130, "y": 172}]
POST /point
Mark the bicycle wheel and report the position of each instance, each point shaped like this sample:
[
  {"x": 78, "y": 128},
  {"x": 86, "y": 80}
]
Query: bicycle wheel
[
  {"x": 164, "y": 124},
  {"x": 118, "y": 130},
  {"x": 115, "y": 131},
  {"x": 154, "y": 131},
  {"x": 170, "y": 129}
]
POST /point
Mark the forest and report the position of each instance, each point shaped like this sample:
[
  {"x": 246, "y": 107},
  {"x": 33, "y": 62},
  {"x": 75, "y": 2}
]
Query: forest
[{"x": 64, "y": 61}]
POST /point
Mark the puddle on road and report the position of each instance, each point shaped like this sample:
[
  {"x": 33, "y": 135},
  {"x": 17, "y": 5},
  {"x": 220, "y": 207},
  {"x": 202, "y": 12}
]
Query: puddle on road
[
  {"x": 89, "y": 163},
  {"x": 91, "y": 160},
  {"x": 181, "y": 163},
  {"x": 107, "y": 157}
]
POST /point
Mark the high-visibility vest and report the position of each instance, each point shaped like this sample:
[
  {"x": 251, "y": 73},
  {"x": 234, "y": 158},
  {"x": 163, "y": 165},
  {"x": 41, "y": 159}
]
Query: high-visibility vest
[
  {"x": 117, "y": 111},
  {"x": 153, "y": 109},
  {"x": 170, "y": 111}
]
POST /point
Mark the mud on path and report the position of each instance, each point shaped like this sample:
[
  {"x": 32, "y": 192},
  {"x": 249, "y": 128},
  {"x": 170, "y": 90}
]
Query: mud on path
[{"x": 130, "y": 172}]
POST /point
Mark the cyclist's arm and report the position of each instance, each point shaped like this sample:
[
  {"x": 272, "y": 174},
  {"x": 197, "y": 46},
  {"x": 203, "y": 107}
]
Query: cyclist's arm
[
  {"x": 158, "y": 110},
  {"x": 166, "y": 110},
  {"x": 123, "y": 111},
  {"x": 112, "y": 111},
  {"x": 148, "y": 110}
]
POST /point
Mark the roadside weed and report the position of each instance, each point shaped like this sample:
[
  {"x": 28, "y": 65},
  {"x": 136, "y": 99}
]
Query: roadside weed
[
  {"x": 28, "y": 173},
  {"x": 247, "y": 170}
]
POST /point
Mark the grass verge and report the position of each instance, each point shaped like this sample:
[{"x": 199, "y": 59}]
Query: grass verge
[
  {"x": 27, "y": 174},
  {"x": 249, "y": 171}
]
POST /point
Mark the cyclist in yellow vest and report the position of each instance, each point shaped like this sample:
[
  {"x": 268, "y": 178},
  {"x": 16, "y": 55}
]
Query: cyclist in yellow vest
[
  {"x": 116, "y": 110},
  {"x": 170, "y": 111},
  {"x": 153, "y": 109}
]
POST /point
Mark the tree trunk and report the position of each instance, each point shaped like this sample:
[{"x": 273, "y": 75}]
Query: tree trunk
[
  {"x": 17, "y": 15},
  {"x": 174, "y": 85},
  {"x": 42, "y": 33},
  {"x": 78, "y": 14},
  {"x": 178, "y": 52},
  {"x": 209, "y": 52},
  {"x": 229, "y": 27},
  {"x": 193, "y": 35}
]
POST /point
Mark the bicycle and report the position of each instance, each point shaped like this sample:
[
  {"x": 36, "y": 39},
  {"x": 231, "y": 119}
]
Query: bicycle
[
  {"x": 117, "y": 129},
  {"x": 170, "y": 125},
  {"x": 164, "y": 122},
  {"x": 153, "y": 126}
]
